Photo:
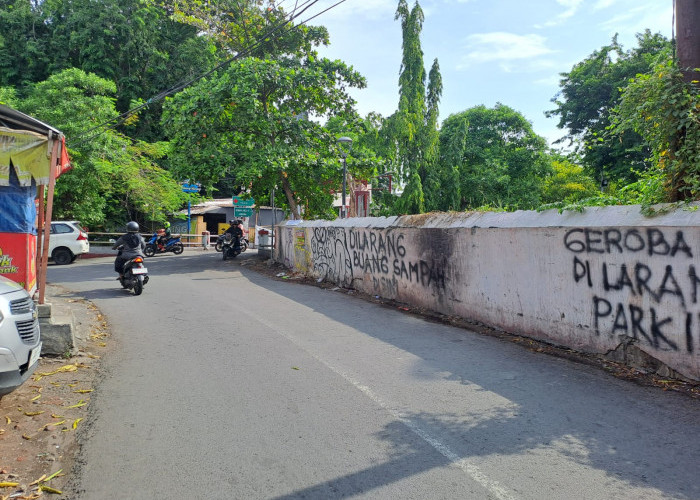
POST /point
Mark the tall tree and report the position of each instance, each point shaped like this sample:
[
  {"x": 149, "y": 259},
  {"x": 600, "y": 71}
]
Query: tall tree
[
  {"x": 249, "y": 121},
  {"x": 587, "y": 96},
  {"x": 114, "y": 179},
  {"x": 414, "y": 125},
  {"x": 128, "y": 42},
  {"x": 500, "y": 160}
]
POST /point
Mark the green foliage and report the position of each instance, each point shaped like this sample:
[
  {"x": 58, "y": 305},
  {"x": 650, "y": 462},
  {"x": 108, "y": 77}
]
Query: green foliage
[
  {"x": 412, "y": 200},
  {"x": 8, "y": 96},
  {"x": 665, "y": 111},
  {"x": 134, "y": 45},
  {"x": 499, "y": 159},
  {"x": 588, "y": 94},
  {"x": 113, "y": 179},
  {"x": 567, "y": 183},
  {"x": 24, "y": 49},
  {"x": 249, "y": 121},
  {"x": 412, "y": 131},
  {"x": 252, "y": 28}
]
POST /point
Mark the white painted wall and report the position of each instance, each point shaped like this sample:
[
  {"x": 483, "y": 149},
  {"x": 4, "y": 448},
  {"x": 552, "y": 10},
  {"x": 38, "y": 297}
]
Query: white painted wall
[{"x": 590, "y": 281}]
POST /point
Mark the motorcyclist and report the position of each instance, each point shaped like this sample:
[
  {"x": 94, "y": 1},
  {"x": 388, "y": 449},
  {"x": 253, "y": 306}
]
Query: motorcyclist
[
  {"x": 130, "y": 244},
  {"x": 235, "y": 229},
  {"x": 163, "y": 235}
]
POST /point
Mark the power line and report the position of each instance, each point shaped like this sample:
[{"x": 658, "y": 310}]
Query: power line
[{"x": 264, "y": 38}]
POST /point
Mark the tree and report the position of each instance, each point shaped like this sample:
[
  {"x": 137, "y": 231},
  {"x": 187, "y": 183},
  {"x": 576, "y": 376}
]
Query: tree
[
  {"x": 250, "y": 121},
  {"x": 23, "y": 50},
  {"x": 413, "y": 128},
  {"x": 128, "y": 42},
  {"x": 588, "y": 94},
  {"x": 114, "y": 179},
  {"x": 664, "y": 110},
  {"x": 249, "y": 28},
  {"x": 500, "y": 161},
  {"x": 567, "y": 183}
]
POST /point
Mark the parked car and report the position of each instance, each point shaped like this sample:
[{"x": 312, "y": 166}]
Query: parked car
[
  {"x": 68, "y": 240},
  {"x": 20, "y": 338}
]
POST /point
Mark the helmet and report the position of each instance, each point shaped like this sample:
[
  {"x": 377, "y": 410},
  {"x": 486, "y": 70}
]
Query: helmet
[
  {"x": 132, "y": 227},
  {"x": 166, "y": 225},
  {"x": 233, "y": 222}
]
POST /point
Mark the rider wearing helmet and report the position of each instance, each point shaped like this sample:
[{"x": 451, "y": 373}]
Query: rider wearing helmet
[
  {"x": 236, "y": 230},
  {"x": 164, "y": 234},
  {"x": 130, "y": 245}
]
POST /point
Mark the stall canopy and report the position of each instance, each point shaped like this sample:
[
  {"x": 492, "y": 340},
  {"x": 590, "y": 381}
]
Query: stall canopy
[
  {"x": 25, "y": 143},
  {"x": 32, "y": 154}
]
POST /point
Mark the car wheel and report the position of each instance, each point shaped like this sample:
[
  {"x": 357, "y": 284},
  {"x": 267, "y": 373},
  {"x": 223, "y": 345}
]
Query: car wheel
[{"x": 62, "y": 256}]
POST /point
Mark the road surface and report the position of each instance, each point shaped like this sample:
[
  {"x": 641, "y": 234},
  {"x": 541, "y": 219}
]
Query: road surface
[{"x": 226, "y": 384}]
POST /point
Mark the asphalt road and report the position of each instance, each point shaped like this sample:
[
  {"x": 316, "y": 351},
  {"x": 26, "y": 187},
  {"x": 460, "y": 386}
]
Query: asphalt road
[{"x": 226, "y": 384}]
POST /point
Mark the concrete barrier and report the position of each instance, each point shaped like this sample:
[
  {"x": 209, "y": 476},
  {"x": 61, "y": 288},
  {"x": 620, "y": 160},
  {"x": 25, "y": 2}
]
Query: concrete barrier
[{"x": 608, "y": 280}]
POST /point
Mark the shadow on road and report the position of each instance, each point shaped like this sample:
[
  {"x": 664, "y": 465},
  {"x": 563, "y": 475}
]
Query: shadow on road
[{"x": 628, "y": 433}]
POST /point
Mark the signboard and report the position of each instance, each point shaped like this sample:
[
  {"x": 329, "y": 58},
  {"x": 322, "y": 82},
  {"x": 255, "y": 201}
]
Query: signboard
[
  {"x": 242, "y": 211},
  {"x": 240, "y": 202},
  {"x": 190, "y": 188}
]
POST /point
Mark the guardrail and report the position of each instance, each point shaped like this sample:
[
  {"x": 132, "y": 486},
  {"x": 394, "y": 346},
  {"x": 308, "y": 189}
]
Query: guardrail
[{"x": 188, "y": 240}]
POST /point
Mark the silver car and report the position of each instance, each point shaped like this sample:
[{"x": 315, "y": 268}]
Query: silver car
[{"x": 20, "y": 339}]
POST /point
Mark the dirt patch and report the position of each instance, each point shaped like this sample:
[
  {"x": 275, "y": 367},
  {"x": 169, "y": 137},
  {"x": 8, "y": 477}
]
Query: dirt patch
[
  {"x": 620, "y": 370},
  {"x": 40, "y": 421}
]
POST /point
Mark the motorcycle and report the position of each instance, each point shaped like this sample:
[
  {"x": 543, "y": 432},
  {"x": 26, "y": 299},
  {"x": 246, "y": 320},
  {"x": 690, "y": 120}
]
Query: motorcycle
[
  {"x": 153, "y": 246},
  {"x": 135, "y": 275},
  {"x": 220, "y": 243},
  {"x": 228, "y": 249}
]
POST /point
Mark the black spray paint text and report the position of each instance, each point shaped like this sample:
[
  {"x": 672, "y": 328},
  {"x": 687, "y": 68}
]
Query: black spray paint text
[{"x": 652, "y": 241}]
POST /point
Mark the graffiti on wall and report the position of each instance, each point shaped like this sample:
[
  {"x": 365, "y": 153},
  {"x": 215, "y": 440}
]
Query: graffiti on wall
[
  {"x": 330, "y": 256},
  {"x": 650, "y": 295},
  {"x": 341, "y": 254}
]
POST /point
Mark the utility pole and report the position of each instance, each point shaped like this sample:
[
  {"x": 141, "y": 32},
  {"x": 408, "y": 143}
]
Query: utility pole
[{"x": 688, "y": 37}]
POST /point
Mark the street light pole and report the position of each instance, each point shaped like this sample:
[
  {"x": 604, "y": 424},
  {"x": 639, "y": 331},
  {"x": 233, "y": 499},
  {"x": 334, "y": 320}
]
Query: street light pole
[{"x": 348, "y": 141}]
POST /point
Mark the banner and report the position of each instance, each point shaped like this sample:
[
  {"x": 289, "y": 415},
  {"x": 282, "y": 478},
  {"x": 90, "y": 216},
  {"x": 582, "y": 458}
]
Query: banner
[{"x": 18, "y": 259}]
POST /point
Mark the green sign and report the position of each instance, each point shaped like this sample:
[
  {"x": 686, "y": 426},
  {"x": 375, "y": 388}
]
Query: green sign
[
  {"x": 243, "y": 211},
  {"x": 240, "y": 202}
]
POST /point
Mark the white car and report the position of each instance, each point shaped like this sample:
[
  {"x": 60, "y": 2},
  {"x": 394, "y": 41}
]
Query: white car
[
  {"x": 20, "y": 338},
  {"x": 67, "y": 241}
]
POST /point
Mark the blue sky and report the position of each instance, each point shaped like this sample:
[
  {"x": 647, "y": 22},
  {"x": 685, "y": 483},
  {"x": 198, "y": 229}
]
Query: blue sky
[{"x": 489, "y": 51}]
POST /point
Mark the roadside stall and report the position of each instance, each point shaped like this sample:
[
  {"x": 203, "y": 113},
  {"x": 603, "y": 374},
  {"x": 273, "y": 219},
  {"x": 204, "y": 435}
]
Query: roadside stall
[{"x": 32, "y": 156}]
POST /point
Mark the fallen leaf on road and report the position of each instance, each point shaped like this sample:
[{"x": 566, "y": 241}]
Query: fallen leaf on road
[
  {"x": 78, "y": 404},
  {"x": 38, "y": 480},
  {"x": 83, "y": 391},
  {"x": 75, "y": 424},
  {"x": 48, "y": 489}
]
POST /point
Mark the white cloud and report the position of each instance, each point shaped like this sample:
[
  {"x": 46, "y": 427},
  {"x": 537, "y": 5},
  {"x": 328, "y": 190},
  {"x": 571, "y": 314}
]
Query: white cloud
[
  {"x": 571, "y": 9},
  {"x": 503, "y": 47}
]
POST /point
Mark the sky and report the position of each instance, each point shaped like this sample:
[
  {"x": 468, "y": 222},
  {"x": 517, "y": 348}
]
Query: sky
[{"x": 489, "y": 51}]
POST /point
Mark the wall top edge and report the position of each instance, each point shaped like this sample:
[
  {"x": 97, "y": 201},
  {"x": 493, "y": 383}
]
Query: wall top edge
[{"x": 627, "y": 215}]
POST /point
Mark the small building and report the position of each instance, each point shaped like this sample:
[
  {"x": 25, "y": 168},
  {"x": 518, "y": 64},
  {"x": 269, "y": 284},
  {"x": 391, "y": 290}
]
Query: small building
[{"x": 214, "y": 216}]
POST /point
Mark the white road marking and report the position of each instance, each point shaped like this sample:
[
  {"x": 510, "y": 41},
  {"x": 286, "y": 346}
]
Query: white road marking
[{"x": 473, "y": 471}]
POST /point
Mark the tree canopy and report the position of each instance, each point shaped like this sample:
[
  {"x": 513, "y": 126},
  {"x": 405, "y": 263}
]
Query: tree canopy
[
  {"x": 495, "y": 156},
  {"x": 251, "y": 120},
  {"x": 587, "y": 96}
]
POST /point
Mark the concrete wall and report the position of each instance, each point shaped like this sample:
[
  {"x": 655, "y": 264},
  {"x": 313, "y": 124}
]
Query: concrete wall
[{"x": 608, "y": 280}]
